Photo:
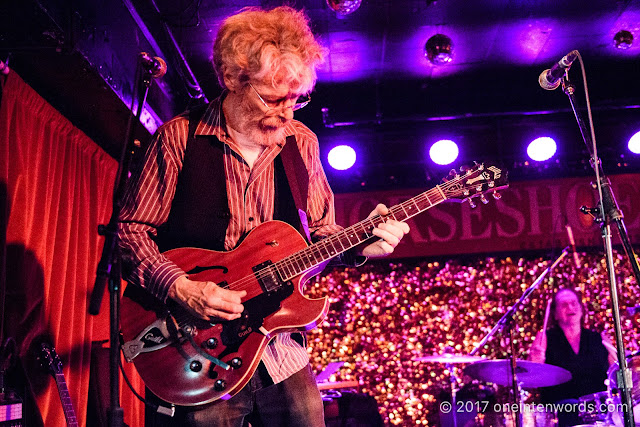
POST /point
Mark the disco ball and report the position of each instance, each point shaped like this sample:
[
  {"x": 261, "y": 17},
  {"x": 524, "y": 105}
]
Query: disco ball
[
  {"x": 439, "y": 49},
  {"x": 344, "y": 7},
  {"x": 623, "y": 39}
]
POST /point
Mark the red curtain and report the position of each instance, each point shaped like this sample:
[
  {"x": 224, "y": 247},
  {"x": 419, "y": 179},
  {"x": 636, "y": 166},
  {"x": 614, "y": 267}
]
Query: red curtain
[{"x": 56, "y": 187}]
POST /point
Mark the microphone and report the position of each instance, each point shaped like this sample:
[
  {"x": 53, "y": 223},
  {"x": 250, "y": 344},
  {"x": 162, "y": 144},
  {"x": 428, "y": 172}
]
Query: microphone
[
  {"x": 550, "y": 79},
  {"x": 153, "y": 64},
  {"x": 633, "y": 310},
  {"x": 572, "y": 242}
]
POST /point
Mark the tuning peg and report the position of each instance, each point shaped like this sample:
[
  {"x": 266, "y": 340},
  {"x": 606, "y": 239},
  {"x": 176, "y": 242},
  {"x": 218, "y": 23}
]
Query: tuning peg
[
  {"x": 472, "y": 204},
  {"x": 496, "y": 195},
  {"x": 483, "y": 200},
  {"x": 464, "y": 168},
  {"x": 453, "y": 172}
]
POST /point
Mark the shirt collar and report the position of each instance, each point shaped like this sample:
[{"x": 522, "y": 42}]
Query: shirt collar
[{"x": 213, "y": 121}]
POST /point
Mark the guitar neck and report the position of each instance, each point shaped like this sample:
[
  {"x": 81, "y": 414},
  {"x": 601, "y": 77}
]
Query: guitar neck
[
  {"x": 65, "y": 398},
  {"x": 354, "y": 235}
]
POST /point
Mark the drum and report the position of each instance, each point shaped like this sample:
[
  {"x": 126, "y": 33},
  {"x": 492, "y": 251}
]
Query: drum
[
  {"x": 616, "y": 405},
  {"x": 594, "y": 408},
  {"x": 472, "y": 401},
  {"x": 529, "y": 419}
]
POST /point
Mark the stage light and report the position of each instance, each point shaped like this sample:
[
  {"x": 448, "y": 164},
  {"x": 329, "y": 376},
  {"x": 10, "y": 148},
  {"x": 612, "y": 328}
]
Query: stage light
[
  {"x": 541, "y": 149},
  {"x": 634, "y": 143},
  {"x": 444, "y": 152},
  {"x": 342, "y": 157}
]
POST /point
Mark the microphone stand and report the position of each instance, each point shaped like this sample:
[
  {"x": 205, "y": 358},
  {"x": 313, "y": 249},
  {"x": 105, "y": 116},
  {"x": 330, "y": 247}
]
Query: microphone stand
[
  {"x": 109, "y": 265},
  {"x": 506, "y": 322},
  {"x": 607, "y": 212}
]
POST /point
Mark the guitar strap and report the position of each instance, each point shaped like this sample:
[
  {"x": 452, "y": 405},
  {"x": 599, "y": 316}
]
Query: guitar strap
[{"x": 298, "y": 178}]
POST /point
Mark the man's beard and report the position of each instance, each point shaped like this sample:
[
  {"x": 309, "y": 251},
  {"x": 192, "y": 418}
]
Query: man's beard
[{"x": 265, "y": 131}]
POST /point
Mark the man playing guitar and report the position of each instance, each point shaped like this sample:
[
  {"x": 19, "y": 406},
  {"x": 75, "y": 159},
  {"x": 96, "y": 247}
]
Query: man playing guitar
[{"x": 212, "y": 175}]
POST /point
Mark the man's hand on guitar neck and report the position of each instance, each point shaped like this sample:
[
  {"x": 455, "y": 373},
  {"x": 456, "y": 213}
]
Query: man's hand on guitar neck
[
  {"x": 206, "y": 299},
  {"x": 389, "y": 232}
]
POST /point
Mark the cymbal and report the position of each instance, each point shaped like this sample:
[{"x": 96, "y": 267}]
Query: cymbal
[
  {"x": 449, "y": 358},
  {"x": 529, "y": 374}
]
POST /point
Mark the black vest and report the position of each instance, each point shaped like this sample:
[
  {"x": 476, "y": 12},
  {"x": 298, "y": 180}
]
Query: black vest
[
  {"x": 588, "y": 368},
  {"x": 200, "y": 214}
]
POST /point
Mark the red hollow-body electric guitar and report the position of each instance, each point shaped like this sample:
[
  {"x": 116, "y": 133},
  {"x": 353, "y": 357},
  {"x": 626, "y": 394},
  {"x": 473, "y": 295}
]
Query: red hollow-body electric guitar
[{"x": 186, "y": 360}]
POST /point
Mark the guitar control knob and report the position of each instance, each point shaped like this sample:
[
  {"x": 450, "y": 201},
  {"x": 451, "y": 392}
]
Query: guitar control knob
[
  {"x": 195, "y": 366},
  {"x": 211, "y": 343},
  {"x": 220, "y": 385},
  {"x": 236, "y": 363}
]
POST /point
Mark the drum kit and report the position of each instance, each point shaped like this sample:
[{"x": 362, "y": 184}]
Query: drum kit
[{"x": 601, "y": 409}]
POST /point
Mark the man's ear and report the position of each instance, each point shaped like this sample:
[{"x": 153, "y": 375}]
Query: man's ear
[{"x": 230, "y": 83}]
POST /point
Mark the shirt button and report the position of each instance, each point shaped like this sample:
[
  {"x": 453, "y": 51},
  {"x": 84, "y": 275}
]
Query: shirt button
[{"x": 250, "y": 219}]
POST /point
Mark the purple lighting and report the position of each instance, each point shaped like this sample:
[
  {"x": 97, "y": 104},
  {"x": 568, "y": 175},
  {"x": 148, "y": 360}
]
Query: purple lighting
[
  {"x": 634, "y": 143},
  {"x": 444, "y": 152},
  {"x": 541, "y": 149},
  {"x": 349, "y": 57},
  {"x": 342, "y": 157}
]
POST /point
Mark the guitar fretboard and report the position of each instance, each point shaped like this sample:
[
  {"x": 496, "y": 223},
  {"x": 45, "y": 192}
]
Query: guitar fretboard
[
  {"x": 352, "y": 236},
  {"x": 65, "y": 399}
]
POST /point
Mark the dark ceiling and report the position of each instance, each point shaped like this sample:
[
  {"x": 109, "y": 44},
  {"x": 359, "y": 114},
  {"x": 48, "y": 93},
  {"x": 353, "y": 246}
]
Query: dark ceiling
[{"x": 380, "y": 93}]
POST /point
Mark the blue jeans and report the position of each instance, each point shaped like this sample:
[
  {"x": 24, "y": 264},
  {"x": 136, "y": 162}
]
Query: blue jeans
[{"x": 295, "y": 401}]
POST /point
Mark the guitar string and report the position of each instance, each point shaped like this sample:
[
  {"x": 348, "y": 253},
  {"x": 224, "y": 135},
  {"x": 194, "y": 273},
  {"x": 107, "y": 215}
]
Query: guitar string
[
  {"x": 247, "y": 282},
  {"x": 408, "y": 205},
  {"x": 241, "y": 284}
]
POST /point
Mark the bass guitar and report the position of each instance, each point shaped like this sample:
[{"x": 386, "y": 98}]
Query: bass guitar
[{"x": 187, "y": 361}]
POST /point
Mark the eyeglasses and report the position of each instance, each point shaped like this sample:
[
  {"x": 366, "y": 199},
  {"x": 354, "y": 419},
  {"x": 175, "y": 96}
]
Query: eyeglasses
[{"x": 302, "y": 102}]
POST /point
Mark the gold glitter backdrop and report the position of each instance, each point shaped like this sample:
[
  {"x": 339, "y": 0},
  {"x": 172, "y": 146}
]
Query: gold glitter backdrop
[{"x": 385, "y": 315}]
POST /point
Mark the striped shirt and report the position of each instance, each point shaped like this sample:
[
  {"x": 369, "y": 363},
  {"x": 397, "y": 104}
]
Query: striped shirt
[{"x": 250, "y": 192}]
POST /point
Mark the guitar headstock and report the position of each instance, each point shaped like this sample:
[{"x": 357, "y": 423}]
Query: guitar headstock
[
  {"x": 477, "y": 181},
  {"x": 49, "y": 359}
]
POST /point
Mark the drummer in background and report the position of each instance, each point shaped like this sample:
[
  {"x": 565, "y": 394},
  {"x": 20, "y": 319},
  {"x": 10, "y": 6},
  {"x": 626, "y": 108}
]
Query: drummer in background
[{"x": 583, "y": 352}]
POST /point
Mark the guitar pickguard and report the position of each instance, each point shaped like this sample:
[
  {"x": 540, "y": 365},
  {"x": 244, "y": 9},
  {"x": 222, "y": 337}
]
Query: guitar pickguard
[{"x": 256, "y": 310}]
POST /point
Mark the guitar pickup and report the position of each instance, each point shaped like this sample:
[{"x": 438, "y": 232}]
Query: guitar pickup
[
  {"x": 152, "y": 338},
  {"x": 268, "y": 277}
]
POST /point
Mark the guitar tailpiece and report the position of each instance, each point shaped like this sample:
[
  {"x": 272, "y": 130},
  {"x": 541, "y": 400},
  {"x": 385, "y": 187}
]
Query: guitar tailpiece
[{"x": 152, "y": 338}]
